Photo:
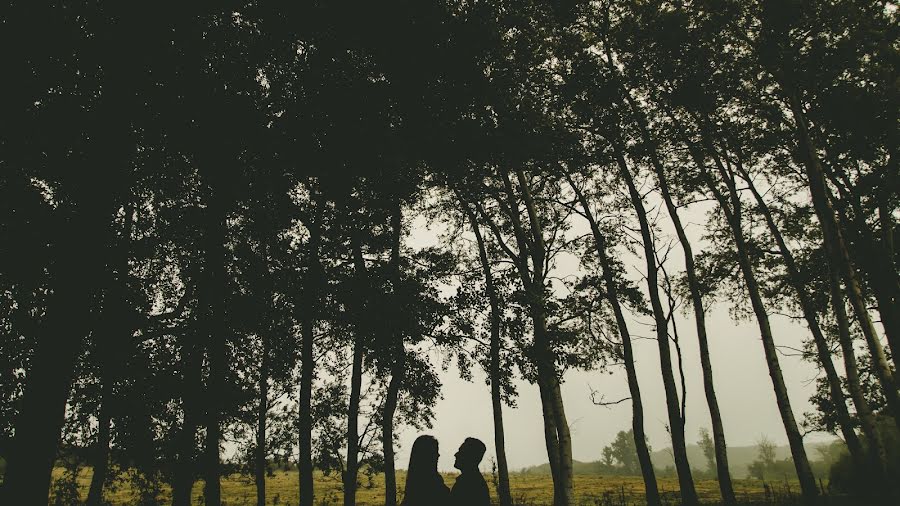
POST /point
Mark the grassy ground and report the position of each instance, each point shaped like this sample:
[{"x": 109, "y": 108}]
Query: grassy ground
[{"x": 527, "y": 489}]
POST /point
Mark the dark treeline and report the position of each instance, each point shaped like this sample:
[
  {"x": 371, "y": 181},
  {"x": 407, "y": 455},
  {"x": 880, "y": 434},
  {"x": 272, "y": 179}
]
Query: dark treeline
[{"x": 204, "y": 213}]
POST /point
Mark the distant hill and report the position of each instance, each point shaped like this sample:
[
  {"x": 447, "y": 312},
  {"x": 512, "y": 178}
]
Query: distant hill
[{"x": 739, "y": 457}]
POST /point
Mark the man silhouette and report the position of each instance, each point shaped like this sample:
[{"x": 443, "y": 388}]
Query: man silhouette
[{"x": 470, "y": 488}]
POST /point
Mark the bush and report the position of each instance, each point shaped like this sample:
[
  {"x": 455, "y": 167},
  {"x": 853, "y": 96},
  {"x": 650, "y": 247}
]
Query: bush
[{"x": 845, "y": 476}]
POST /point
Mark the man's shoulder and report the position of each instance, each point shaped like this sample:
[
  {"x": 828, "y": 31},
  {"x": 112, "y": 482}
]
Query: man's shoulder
[
  {"x": 469, "y": 482},
  {"x": 471, "y": 489}
]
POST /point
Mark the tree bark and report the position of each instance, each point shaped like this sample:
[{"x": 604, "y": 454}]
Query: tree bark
[
  {"x": 676, "y": 420},
  {"x": 651, "y": 490},
  {"x": 503, "y": 490}
]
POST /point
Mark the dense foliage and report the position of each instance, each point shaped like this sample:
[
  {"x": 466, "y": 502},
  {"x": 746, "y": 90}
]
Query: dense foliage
[{"x": 205, "y": 213}]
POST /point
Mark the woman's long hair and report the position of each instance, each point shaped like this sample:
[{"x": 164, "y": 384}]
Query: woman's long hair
[{"x": 422, "y": 476}]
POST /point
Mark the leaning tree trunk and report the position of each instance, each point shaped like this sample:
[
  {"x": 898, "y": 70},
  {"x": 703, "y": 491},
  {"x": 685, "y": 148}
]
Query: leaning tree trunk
[
  {"x": 651, "y": 490},
  {"x": 551, "y": 432},
  {"x": 676, "y": 418},
  {"x": 839, "y": 256},
  {"x": 876, "y": 450},
  {"x": 503, "y": 490},
  {"x": 875, "y": 257},
  {"x": 398, "y": 366},
  {"x": 808, "y": 484},
  {"x": 352, "y": 461},
  {"x": 352, "y": 466},
  {"x": 809, "y": 313},
  {"x": 723, "y": 473}
]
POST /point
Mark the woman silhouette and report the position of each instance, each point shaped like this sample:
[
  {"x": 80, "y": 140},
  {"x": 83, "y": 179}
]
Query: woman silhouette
[{"x": 424, "y": 486}]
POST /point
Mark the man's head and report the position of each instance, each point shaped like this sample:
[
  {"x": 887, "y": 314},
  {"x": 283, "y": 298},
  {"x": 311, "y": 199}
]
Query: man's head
[{"x": 469, "y": 454}]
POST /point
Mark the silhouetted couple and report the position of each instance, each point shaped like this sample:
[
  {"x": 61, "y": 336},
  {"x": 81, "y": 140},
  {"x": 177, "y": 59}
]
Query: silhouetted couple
[{"x": 425, "y": 486}]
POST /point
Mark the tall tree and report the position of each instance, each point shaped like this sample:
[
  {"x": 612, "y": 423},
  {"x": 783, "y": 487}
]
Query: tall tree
[
  {"x": 731, "y": 206},
  {"x": 612, "y": 295},
  {"x": 494, "y": 370}
]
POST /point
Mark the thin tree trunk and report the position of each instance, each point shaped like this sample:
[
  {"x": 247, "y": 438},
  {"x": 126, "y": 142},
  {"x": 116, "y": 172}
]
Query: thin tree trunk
[
  {"x": 801, "y": 461},
  {"x": 262, "y": 412},
  {"x": 676, "y": 421},
  {"x": 215, "y": 326},
  {"x": 675, "y": 414},
  {"x": 839, "y": 255},
  {"x": 560, "y": 438},
  {"x": 651, "y": 490},
  {"x": 549, "y": 390},
  {"x": 864, "y": 413},
  {"x": 556, "y": 430},
  {"x": 352, "y": 469},
  {"x": 809, "y": 313},
  {"x": 398, "y": 367},
  {"x": 312, "y": 295},
  {"x": 101, "y": 452},
  {"x": 808, "y": 485},
  {"x": 726, "y": 487},
  {"x": 503, "y": 490},
  {"x": 305, "y": 464},
  {"x": 387, "y": 437},
  {"x": 398, "y": 352},
  {"x": 874, "y": 257},
  {"x": 185, "y": 469},
  {"x": 550, "y": 418}
]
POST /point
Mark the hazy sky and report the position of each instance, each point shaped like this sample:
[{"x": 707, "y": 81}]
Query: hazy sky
[{"x": 744, "y": 389}]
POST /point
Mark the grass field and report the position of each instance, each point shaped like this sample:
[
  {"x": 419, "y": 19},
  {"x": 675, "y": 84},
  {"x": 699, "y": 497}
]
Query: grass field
[{"x": 527, "y": 489}]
